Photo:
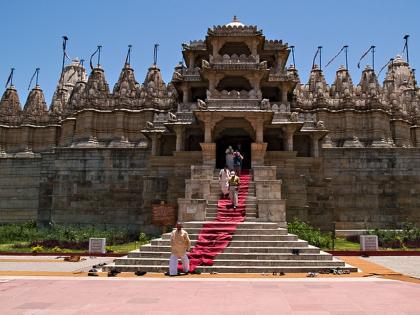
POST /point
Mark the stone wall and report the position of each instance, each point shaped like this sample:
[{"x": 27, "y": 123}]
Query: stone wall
[
  {"x": 354, "y": 188},
  {"x": 19, "y": 189},
  {"x": 374, "y": 187}
]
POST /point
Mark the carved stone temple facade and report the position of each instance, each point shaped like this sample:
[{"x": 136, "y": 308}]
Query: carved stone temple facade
[{"x": 344, "y": 155}]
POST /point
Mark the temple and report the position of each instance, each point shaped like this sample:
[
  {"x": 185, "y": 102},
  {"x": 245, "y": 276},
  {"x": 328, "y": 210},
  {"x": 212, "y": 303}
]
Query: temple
[{"x": 340, "y": 156}]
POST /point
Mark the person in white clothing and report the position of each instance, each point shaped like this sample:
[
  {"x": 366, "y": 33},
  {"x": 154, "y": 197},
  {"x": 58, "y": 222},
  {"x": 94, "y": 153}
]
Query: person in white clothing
[
  {"x": 224, "y": 181},
  {"x": 229, "y": 157},
  {"x": 180, "y": 244}
]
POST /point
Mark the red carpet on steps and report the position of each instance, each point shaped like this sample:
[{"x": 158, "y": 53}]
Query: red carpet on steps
[{"x": 216, "y": 235}]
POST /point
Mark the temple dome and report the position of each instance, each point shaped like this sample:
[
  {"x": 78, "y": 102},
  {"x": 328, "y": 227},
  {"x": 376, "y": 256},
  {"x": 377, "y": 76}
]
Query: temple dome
[{"x": 235, "y": 22}]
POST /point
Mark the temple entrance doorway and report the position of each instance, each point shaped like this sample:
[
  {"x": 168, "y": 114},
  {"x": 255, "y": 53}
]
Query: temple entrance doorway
[
  {"x": 243, "y": 143},
  {"x": 235, "y": 132}
]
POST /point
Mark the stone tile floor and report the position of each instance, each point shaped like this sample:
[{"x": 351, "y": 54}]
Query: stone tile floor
[
  {"x": 408, "y": 265},
  {"x": 49, "y": 263},
  {"x": 57, "y": 295}
]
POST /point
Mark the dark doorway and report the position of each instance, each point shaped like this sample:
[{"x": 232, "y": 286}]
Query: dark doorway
[{"x": 245, "y": 148}]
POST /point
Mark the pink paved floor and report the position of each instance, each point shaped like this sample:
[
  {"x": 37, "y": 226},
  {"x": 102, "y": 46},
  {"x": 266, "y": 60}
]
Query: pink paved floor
[{"x": 197, "y": 296}]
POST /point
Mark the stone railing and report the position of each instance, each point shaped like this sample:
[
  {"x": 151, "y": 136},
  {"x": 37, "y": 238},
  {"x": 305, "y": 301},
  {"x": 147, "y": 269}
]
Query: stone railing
[
  {"x": 234, "y": 59},
  {"x": 234, "y": 104},
  {"x": 186, "y": 74},
  {"x": 278, "y": 77},
  {"x": 229, "y": 95}
]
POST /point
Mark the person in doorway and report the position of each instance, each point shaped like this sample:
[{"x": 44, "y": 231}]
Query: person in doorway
[
  {"x": 180, "y": 244},
  {"x": 224, "y": 181},
  {"x": 234, "y": 182},
  {"x": 237, "y": 162},
  {"x": 229, "y": 157}
]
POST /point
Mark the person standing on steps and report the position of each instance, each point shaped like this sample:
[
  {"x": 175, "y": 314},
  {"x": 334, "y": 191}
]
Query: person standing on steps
[
  {"x": 234, "y": 182},
  {"x": 180, "y": 244},
  {"x": 237, "y": 162},
  {"x": 229, "y": 158},
  {"x": 224, "y": 181}
]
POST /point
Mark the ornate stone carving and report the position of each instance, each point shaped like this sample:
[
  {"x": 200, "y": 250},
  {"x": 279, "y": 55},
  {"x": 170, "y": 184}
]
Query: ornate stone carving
[
  {"x": 10, "y": 111},
  {"x": 126, "y": 89},
  {"x": 154, "y": 93},
  {"x": 35, "y": 110}
]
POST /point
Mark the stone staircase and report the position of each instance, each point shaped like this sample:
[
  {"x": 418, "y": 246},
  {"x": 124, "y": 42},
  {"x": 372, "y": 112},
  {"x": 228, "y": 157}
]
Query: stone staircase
[{"x": 256, "y": 247}]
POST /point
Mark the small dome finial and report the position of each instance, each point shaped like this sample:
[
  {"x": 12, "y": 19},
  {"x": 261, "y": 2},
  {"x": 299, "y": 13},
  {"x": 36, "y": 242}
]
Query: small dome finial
[{"x": 235, "y": 19}]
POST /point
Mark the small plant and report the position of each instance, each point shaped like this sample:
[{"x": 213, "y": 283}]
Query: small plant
[
  {"x": 308, "y": 233},
  {"x": 37, "y": 249},
  {"x": 57, "y": 249},
  {"x": 143, "y": 238}
]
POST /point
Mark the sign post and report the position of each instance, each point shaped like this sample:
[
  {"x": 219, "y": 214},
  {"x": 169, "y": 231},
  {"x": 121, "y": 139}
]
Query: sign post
[
  {"x": 368, "y": 242},
  {"x": 163, "y": 215},
  {"x": 97, "y": 245}
]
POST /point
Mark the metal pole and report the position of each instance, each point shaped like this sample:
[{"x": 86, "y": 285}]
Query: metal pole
[
  {"x": 293, "y": 55},
  {"x": 320, "y": 57},
  {"x": 347, "y": 63},
  {"x": 373, "y": 58},
  {"x": 406, "y": 46},
  {"x": 36, "y": 80},
  {"x": 99, "y": 55}
]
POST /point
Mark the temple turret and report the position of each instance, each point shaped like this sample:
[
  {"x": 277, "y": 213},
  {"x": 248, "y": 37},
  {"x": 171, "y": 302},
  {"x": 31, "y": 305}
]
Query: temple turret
[
  {"x": 10, "y": 109},
  {"x": 96, "y": 94},
  {"x": 343, "y": 85},
  {"x": 154, "y": 93},
  {"x": 126, "y": 89},
  {"x": 72, "y": 74},
  {"x": 35, "y": 110},
  {"x": 368, "y": 85},
  {"x": 76, "y": 98}
]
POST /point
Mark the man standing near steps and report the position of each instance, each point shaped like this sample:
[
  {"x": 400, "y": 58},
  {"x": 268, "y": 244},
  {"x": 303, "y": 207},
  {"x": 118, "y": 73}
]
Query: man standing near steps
[
  {"x": 234, "y": 183},
  {"x": 180, "y": 244}
]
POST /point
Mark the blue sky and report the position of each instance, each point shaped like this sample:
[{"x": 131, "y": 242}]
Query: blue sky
[{"x": 31, "y": 32}]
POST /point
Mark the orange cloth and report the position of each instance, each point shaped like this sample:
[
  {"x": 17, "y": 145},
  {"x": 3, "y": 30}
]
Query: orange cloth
[{"x": 180, "y": 243}]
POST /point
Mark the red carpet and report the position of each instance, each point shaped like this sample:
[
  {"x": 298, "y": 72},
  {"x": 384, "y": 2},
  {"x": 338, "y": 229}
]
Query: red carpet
[{"x": 216, "y": 235}]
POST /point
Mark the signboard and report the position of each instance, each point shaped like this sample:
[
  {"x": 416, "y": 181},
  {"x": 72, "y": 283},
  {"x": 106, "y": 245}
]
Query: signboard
[
  {"x": 163, "y": 214},
  {"x": 97, "y": 245},
  {"x": 368, "y": 242}
]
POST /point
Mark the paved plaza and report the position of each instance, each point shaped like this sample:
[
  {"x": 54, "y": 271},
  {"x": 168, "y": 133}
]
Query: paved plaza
[{"x": 359, "y": 296}]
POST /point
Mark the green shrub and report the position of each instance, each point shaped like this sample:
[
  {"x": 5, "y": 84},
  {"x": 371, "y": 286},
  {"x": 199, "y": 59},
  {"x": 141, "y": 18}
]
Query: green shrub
[
  {"x": 64, "y": 236},
  {"x": 143, "y": 238},
  {"x": 308, "y": 233},
  {"x": 37, "y": 249},
  {"x": 407, "y": 236}
]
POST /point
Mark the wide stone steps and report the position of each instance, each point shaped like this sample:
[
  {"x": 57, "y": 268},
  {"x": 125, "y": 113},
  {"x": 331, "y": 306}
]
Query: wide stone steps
[
  {"x": 234, "y": 243},
  {"x": 241, "y": 231},
  {"x": 242, "y": 237},
  {"x": 233, "y": 269},
  {"x": 229, "y": 262},
  {"x": 240, "y": 226},
  {"x": 233, "y": 256},
  {"x": 233, "y": 250}
]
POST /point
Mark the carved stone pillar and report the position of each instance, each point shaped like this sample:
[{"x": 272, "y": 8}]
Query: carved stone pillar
[
  {"x": 289, "y": 131},
  {"x": 315, "y": 145},
  {"x": 180, "y": 133},
  {"x": 155, "y": 143},
  {"x": 208, "y": 130},
  {"x": 258, "y": 153},
  {"x": 259, "y": 131},
  {"x": 209, "y": 153},
  {"x": 185, "y": 94},
  {"x": 284, "y": 96},
  {"x": 191, "y": 61},
  {"x": 288, "y": 140}
]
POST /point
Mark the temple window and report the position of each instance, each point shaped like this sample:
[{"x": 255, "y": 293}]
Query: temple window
[
  {"x": 238, "y": 48},
  {"x": 236, "y": 83}
]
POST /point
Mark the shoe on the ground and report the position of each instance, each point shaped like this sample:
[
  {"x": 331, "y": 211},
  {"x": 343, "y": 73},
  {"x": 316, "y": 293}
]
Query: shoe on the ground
[
  {"x": 92, "y": 274},
  {"x": 140, "y": 273},
  {"x": 281, "y": 273}
]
